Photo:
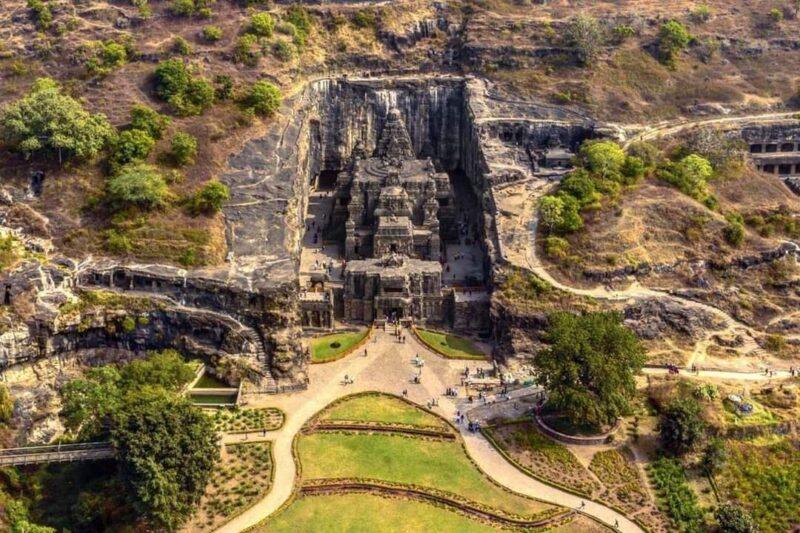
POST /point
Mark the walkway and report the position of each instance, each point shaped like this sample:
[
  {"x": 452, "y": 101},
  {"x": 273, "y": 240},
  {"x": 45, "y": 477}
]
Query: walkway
[
  {"x": 58, "y": 453},
  {"x": 388, "y": 368}
]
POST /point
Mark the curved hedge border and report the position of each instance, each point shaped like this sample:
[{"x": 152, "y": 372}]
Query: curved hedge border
[
  {"x": 340, "y": 486},
  {"x": 347, "y": 352},
  {"x": 444, "y": 354},
  {"x": 367, "y": 428}
]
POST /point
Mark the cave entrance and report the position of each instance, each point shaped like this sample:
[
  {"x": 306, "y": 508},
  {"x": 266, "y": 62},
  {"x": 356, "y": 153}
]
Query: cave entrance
[{"x": 326, "y": 180}]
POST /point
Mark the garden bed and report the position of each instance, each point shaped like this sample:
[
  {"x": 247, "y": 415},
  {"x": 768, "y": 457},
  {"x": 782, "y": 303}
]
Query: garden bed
[
  {"x": 246, "y": 420},
  {"x": 449, "y": 345},
  {"x": 541, "y": 457},
  {"x": 675, "y": 497},
  {"x": 378, "y": 408},
  {"x": 241, "y": 477}
]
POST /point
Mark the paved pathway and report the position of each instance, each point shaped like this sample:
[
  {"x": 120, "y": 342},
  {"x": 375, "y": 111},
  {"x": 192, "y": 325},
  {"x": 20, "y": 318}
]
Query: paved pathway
[{"x": 388, "y": 368}]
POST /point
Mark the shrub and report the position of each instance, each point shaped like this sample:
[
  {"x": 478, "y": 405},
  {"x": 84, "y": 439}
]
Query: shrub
[
  {"x": 41, "y": 13},
  {"x": 182, "y": 8},
  {"x": 673, "y": 38},
  {"x": 183, "y": 149},
  {"x": 224, "y": 86},
  {"x": 734, "y": 232},
  {"x": 298, "y": 16},
  {"x": 128, "y": 324},
  {"x": 556, "y": 247},
  {"x": 148, "y": 120},
  {"x": 283, "y": 50},
  {"x": 560, "y": 213},
  {"x": 775, "y": 343},
  {"x": 714, "y": 456},
  {"x": 701, "y": 14},
  {"x": 117, "y": 243},
  {"x": 690, "y": 175},
  {"x": 669, "y": 479},
  {"x": 47, "y": 121},
  {"x": 286, "y": 28},
  {"x": 775, "y": 16},
  {"x": 6, "y": 404},
  {"x": 246, "y": 50},
  {"x": 212, "y": 33},
  {"x": 604, "y": 158},
  {"x": 580, "y": 185},
  {"x": 364, "y": 18},
  {"x": 110, "y": 55},
  {"x": 622, "y": 33},
  {"x": 585, "y": 35},
  {"x": 648, "y": 153},
  {"x": 129, "y": 146},
  {"x": 632, "y": 169},
  {"x": 186, "y": 94},
  {"x": 181, "y": 46},
  {"x": 261, "y": 24},
  {"x": 733, "y": 518},
  {"x": 138, "y": 185},
  {"x": 681, "y": 426},
  {"x": 210, "y": 198},
  {"x": 264, "y": 98}
]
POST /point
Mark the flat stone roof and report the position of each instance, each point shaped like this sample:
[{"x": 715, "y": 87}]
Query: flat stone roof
[{"x": 410, "y": 265}]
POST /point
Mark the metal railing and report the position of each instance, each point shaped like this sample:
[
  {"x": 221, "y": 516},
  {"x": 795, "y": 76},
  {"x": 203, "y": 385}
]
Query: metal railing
[{"x": 56, "y": 453}]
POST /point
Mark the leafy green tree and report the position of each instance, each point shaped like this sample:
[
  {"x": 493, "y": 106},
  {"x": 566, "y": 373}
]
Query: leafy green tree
[
  {"x": 183, "y": 149},
  {"x": 149, "y": 120},
  {"x": 571, "y": 220},
  {"x": 210, "y": 198},
  {"x": 246, "y": 50},
  {"x": 47, "y": 121},
  {"x": 604, "y": 158},
  {"x": 585, "y": 35},
  {"x": 579, "y": 185},
  {"x": 166, "y": 450},
  {"x": 88, "y": 403},
  {"x": 681, "y": 425},
  {"x": 632, "y": 169},
  {"x": 165, "y": 369},
  {"x": 171, "y": 77},
  {"x": 138, "y": 185},
  {"x": 6, "y": 404},
  {"x": 264, "y": 97},
  {"x": 690, "y": 175},
  {"x": 298, "y": 16},
  {"x": 185, "y": 93},
  {"x": 715, "y": 456},
  {"x": 648, "y": 153},
  {"x": 130, "y": 146},
  {"x": 551, "y": 209},
  {"x": 673, "y": 38},
  {"x": 261, "y": 24},
  {"x": 589, "y": 366},
  {"x": 734, "y": 518}
]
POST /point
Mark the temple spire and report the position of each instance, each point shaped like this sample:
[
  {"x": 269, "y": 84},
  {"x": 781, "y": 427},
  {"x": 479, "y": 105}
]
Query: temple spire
[{"x": 394, "y": 143}]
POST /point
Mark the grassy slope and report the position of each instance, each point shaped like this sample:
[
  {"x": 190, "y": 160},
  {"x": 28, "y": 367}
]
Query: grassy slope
[
  {"x": 437, "y": 464},
  {"x": 381, "y": 408},
  {"x": 362, "y": 513},
  {"x": 322, "y": 349}
]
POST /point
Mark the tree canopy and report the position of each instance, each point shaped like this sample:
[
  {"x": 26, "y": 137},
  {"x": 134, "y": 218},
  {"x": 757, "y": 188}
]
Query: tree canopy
[
  {"x": 264, "y": 98},
  {"x": 681, "y": 426},
  {"x": 589, "y": 367},
  {"x": 138, "y": 185},
  {"x": 46, "y": 121}
]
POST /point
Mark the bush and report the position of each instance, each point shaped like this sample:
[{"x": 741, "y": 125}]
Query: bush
[
  {"x": 246, "y": 50},
  {"x": 556, "y": 247},
  {"x": 560, "y": 213},
  {"x": 110, "y": 55},
  {"x": 673, "y": 38},
  {"x": 117, "y": 243},
  {"x": 6, "y": 404},
  {"x": 580, "y": 185},
  {"x": 775, "y": 16},
  {"x": 41, "y": 14},
  {"x": 283, "y": 50},
  {"x": 224, "y": 86},
  {"x": 182, "y": 8},
  {"x": 622, "y": 33},
  {"x": 681, "y": 426},
  {"x": 186, "y": 94},
  {"x": 585, "y": 35},
  {"x": 734, "y": 232},
  {"x": 264, "y": 98},
  {"x": 47, "y": 121},
  {"x": 298, "y": 16},
  {"x": 148, "y": 120},
  {"x": 690, "y": 175},
  {"x": 364, "y": 18},
  {"x": 701, "y": 14},
  {"x": 129, "y": 146},
  {"x": 775, "y": 343},
  {"x": 181, "y": 46},
  {"x": 733, "y": 518},
  {"x": 210, "y": 198},
  {"x": 183, "y": 149},
  {"x": 261, "y": 24},
  {"x": 604, "y": 158},
  {"x": 138, "y": 185},
  {"x": 212, "y": 33},
  {"x": 669, "y": 479}
]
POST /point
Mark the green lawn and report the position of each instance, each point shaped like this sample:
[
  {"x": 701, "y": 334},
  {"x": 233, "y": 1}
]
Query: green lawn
[
  {"x": 381, "y": 408},
  {"x": 442, "y": 465},
  {"x": 451, "y": 346},
  {"x": 332, "y": 347},
  {"x": 364, "y": 513}
]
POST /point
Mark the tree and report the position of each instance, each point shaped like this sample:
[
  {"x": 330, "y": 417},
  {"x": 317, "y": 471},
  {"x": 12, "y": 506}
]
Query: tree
[
  {"x": 604, "y": 158},
  {"x": 734, "y": 518},
  {"x": 6, "y": 404},
  {"x": 210, "y": 198},
  {"x": 589, "y": 367},
  {"x": 47, "y": 121},
  {"x": 138, "y": 185},
  {"x": 579, "y": 185},
  {"x": 149, "y": 120},
  {"x": 690, "y": 175},
  {"x": 571, "y": 220},
  {"x": 130, "y": 146},
  {"x": 681, "y": 426},
  {"x": 165, "y": 369},
  {"x": 184, "y": 148},
  {"x": 715, "y": 456},
  {"x": 264, "y": 98},
  {"x": 586, "y": 36},
  {"x": 673, "y": 38},
  {"x": 166, "y": 450},
  {"x": 186, "y": 94},
  {"x": 550, "y": 211}
]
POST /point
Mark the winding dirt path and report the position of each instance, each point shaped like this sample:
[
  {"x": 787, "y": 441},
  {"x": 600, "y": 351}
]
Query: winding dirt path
[{"x": 388, "y": 368}]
